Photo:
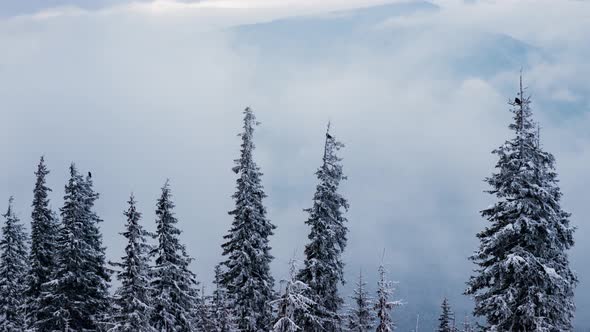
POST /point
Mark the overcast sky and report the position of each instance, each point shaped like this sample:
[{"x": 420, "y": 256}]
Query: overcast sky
[{"x": 138, "y": 92}]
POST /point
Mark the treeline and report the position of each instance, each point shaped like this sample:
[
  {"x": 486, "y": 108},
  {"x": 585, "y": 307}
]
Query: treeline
[{"x": 58, "y": 279}]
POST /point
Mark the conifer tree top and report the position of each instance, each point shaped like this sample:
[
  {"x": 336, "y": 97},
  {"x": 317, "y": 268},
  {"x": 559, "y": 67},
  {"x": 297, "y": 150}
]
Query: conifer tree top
[
  {"x": 41, "y": 189},
  {"x": 446, "y": 317},
  {"x": 523, "y": 280},
  {"x": 383, "y": 303},
  {"x": 13, "y": 267},
  {"x": 42, "y": 256},
  {"x": 173, "y": 284},
  {"x": 360, "y": 315},
  {"x": 323, "y": 265},
  {"x": 132, "y": 307},
  {"x": 77, "y": 295},
  {"x": 246, "y": 275}
]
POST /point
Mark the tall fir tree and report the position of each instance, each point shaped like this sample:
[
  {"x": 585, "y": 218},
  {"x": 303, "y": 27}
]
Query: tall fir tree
[
  {"x": 360, "y": 315},
  {"x": 98, "y": 263},
  {"x": 173, "y": 284},
  {"x": 42, "y": 256},
  {"x": 383, "y": 304},
  {"x": 523, "y": 281},
  {"x": 445, "y": 320},
  {"x": 293, "y": 299},
  {"x": 323, "y": 265},
  {"x": 132, "y": 300},
  {"x": 77, "y": 296},
  {"x": 246, "y": 269},
  {"x": 13, "y": 270}
]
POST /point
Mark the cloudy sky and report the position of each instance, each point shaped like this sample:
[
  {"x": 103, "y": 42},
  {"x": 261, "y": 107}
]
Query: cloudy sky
[{"x": 141, "y": 91}]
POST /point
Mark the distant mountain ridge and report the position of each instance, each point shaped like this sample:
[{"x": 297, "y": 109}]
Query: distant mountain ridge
[{"x": 331, "y": 35}]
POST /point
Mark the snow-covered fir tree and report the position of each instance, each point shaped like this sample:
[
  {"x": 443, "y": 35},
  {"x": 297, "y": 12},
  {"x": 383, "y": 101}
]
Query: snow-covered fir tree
[
  {"x": 98, "y": 264},
  {"x": 323, "y": 265},
  {"x": 77, "y": 296},
  {"x": 246, "y": 268},
  {"x": 523, "y": 281},
  {"x": 42, "y": 256},
  {"x": 445, "y": 320},
  {"x": 294, "y": 299},
  {"x": 13, "y": 270},
  {"x": 360, "y": 315},
  {"x": 173, "y": 285},
  {"x": 132, "y": 307},
  {"x": 383, "y": 304},
  {"x": 222, "y": 312}
]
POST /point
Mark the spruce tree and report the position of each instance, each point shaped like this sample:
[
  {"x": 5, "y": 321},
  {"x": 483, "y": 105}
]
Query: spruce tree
[
  {"x": 523, "y": 281},
  {"x": 383, "y": 305},
  {"x": 13, "y": 269},
  {"x": 173, "y": 285},
  {"x": 293, "y": 299},
  {"x": 77, "y": 296},
  {"x": 360, "y": 316},
  {"x": 323, "y": 265},
  {"x": 132, "y": 299},
  {"x": 445, "y": 321},
  {"x": 246, "y": 269},
  {"x": 42, "y": 256},
  {"x": 93, "y": 235}
]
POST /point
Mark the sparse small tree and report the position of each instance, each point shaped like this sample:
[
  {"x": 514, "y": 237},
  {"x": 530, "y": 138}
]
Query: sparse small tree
[
  {"x": 294, "y": 299},
  {"x": 205, "y": 319},
  {"x": 467, "y": 327},
  {"x": 383, "y": 305},
  {"x": 223, "y": 315},
  {"x": 360, "y": 315},
  {"x": 445, "y": 321}
]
